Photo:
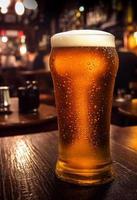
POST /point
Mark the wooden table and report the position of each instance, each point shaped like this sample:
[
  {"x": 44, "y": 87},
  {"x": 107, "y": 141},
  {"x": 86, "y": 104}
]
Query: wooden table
[
  {"x": 27, "y": 164},
  {"x": 129, "y": 108},
  {"x": 17, "y": 122},
  {"x": 124, "y": 113},
  {"x": 128, "y": 111}
]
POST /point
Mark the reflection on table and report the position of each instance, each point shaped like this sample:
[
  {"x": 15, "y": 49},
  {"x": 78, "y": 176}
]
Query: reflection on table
[{"x": 27, "y": 167}]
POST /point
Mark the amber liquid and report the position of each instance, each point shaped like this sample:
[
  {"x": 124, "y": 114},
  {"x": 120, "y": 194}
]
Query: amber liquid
[{"x": 83, "y": 81}]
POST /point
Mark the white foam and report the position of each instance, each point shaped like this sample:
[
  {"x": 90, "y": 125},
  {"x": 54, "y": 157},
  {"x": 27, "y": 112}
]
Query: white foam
[{"x": 78, "y": 38}]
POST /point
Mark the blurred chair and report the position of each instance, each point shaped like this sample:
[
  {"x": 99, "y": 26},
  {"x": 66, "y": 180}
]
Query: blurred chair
[
  {"x": 133, "y": 88},
  {"x": 10, "y": 77},
  {"x": 127, "y": 71}
]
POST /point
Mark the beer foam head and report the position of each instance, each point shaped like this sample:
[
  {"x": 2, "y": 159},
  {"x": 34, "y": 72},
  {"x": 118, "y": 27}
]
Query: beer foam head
[{"x": 78, "y": 38}]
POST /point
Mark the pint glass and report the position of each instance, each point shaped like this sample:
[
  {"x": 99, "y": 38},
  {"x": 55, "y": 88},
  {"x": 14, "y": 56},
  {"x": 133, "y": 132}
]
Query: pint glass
[{"x": 83, "y": 66}]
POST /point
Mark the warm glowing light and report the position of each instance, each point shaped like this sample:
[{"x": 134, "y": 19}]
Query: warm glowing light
[
  {"x": 23, "y": 39},
  {"x": 131, "y": 41},
  {"x": 4, "y": 3},
  {"x": 19, "y": 8},
  {"x": 81, "y": 8},
  {"x": 134, "y": 102},
  {"x": 135, "y": 34},
  {"x": 23, "y": 49},
  {"x": 30, "y": 4},
  {"x": 4, "y": 10},
  {"x": 22, "y": 153},
  {"x": 78, "y": 14},
  {"x": 4, "y": 39},
  {"x": 135, "y": 37},
  {"x": 20, "y": 33}
]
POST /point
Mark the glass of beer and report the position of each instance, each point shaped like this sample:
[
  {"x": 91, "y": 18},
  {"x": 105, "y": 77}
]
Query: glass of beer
[{"x": 83, "y": 65}]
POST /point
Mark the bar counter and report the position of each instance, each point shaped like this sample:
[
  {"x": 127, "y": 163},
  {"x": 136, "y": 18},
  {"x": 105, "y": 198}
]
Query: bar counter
[{"x": 27, "y": 164}]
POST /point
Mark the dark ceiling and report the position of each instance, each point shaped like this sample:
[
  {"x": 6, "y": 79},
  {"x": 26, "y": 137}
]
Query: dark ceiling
[{"x": 52, "y": 8}]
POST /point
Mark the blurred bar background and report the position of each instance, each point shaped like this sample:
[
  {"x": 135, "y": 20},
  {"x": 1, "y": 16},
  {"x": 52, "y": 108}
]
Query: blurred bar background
[{"x": 27, "y": 25}]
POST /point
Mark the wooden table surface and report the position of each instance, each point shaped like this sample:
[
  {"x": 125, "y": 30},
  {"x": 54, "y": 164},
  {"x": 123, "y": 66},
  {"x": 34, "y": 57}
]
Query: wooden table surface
[
  {"x": 27, "y": 164},
  {"x": 32, "y": 122},
  {"x": 129, "y": 108},
  {"x": 124, "y": 112}
]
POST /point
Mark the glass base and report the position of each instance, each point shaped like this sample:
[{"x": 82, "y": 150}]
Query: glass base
[{"x": 98, "y": 176}]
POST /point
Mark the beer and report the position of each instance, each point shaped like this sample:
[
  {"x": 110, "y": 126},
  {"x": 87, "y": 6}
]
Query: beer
[{"x": 83, "y": 66}]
